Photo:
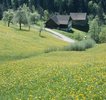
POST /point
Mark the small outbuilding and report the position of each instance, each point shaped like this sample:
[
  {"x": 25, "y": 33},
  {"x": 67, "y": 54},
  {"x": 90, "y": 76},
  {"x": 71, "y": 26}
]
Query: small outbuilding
[{"x": 75, "y": 20}]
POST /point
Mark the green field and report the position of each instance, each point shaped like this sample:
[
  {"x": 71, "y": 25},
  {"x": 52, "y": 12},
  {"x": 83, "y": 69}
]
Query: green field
[
  {"x": 75, "y": 34},
  {"x": 27, "y": 73}
]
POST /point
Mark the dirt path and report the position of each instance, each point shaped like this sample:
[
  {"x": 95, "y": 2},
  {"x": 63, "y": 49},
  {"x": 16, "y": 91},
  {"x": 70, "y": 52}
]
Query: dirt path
[{"x": 60, "y": 36}]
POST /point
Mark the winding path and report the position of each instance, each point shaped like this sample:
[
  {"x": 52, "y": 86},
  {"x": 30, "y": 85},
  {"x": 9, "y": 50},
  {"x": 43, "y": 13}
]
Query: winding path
[
  {"x": 60, "y": 36},
  {"x": 57, "y": 35}
]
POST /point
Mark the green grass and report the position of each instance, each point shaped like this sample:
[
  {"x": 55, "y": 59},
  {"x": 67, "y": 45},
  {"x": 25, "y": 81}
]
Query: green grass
[
  {"x": 76, "y": 34},
  {"x": 16, "y": 44},
  {"x": 61, "y": 75}
]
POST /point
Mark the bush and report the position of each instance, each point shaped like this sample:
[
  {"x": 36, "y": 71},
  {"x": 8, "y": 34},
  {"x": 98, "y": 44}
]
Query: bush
[
  {"x": 77, "y": 46},
  {"x": 51, "y": 49},
  {"x": 95, "y": 29},
  {"x": 80, "y": 46},
  {"x": 102, "y": 36},
  {"x": 78, "y": 36},
  {"x": 89, "y": 43}
]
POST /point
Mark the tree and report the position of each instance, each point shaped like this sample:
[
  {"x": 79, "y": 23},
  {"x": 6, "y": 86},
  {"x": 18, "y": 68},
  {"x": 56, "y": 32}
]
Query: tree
[
  {"x": 46, "y": 15},
  {"x": 8, "y": 16},
  {"x": 59, "y": 4},
  {"x": 95, "y": 29},
  {"x": 34, "y": 17},
  {"x": 21, "y": 17},
  {"x": 41, "y": 28},
  {"x": 1, "y": 11},
  {"x": 28, "y": 15},
  {"x": 100, "y": 12}
]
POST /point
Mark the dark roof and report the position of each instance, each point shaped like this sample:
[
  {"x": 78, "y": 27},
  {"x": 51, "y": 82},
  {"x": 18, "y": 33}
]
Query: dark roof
[
  {"x": 64, "y": 19},
  {"x": 78, "y": 16},
  {"x": 61, "y": 19}
]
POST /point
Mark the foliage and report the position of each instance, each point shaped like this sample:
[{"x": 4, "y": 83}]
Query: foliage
[
  {"x": 35, "y": 17},
  {"x": 102, "y": 36},
  {"x": 80, "y": 46},
  {"x": 51, "y": 49},
  {"x": 78, "y": 36},
  {"x": 62, "y": 6},
  {"x": 21, "y": 17},
  {"x": 95, "y": 29},
  {"x": 77, "y": 46},
  {"x": 89, "y": 43},
  {"x": 46, "y": 15},
  {"x": 8, "y": 16}
]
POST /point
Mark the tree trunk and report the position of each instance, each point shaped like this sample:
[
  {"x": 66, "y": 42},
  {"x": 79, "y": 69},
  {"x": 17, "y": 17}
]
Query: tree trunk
[
  {"x": 20, "y": 25},
  {"x": 29, "y": 27},
  {"x": 8, "y": 23}
]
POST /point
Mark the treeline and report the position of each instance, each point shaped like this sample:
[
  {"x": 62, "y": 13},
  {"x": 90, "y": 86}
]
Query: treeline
[{"x": 62, "y": 6}]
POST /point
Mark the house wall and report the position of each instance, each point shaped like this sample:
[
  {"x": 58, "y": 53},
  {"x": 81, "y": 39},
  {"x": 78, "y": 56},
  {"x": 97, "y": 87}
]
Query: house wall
[
  {"x": 81, "y": 25},
  {"x": 63, "y": 26}
]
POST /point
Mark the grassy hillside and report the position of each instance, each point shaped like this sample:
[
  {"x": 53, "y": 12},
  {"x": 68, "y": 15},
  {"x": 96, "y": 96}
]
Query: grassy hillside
[
  {"x": 49, "y": 76},
  {"x": 16, "y": 44}
]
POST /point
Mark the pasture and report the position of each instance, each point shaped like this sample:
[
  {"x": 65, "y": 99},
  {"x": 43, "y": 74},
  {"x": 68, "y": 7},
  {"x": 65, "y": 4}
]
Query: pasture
[{"x": 27, "y": 73}]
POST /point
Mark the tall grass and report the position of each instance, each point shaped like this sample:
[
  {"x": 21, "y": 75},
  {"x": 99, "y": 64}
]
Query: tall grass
[
  {"x": 80, "y": 46},
  {"x": 77, "y": 46}
]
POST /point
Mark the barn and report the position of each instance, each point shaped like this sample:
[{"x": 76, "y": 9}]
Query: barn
[
  {"x": 75, "y": 20},
  {"x": 58, "y": 21},
  {"x": 79, "y": 21}
]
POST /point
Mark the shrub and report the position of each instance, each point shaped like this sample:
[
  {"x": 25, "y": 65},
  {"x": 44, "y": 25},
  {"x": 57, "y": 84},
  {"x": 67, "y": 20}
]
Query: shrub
[
  {"x": 77, "y": 46},
  {"x": 78, "y": 36},
  {"x": 89, "y": 43},
  {"x": 80, "y": 46},
  {"x": 95, "y": 29},
  {"x": 51, "y": 49},
  {"x": 102, "y": 36}
]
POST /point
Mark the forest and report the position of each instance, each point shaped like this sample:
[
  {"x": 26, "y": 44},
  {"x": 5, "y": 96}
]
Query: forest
[{"x": 93, "y": 7}]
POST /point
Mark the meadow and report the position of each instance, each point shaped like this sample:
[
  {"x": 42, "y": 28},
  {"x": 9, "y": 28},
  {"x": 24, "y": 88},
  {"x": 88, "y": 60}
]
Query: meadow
[{"x": 27, "y": 73}]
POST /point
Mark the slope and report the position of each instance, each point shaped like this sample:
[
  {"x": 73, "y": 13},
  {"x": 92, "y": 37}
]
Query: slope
[
  {"x": 16, "y": 44},
  {"x": 50, "y": 76}
]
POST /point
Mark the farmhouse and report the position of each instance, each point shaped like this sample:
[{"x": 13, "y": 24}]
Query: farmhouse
[
  {"x": 79, "y": 21},
  {"x": 75, "y": 20},
  {"x": 58, "y": 21}
]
